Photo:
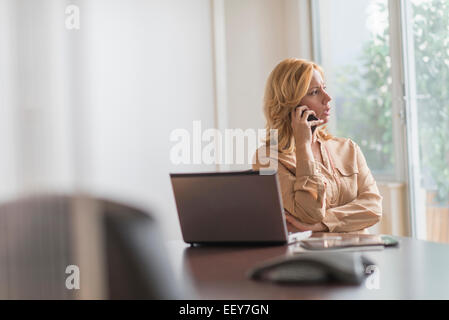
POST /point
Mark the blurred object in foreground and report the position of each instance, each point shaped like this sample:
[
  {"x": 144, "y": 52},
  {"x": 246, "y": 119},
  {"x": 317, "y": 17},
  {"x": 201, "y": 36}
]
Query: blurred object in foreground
[{"x": 79, "y": 247}]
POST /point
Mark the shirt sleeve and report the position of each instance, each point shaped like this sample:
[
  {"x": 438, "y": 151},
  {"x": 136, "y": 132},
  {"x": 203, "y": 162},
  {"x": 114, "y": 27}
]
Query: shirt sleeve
[
  {"x": 362, "y": 212},
  {"x": 303, "y": 195}
]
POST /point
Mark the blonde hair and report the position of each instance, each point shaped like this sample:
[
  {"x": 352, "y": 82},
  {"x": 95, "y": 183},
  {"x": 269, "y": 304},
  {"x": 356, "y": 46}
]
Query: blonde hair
[{"x": 286, "y": 86}]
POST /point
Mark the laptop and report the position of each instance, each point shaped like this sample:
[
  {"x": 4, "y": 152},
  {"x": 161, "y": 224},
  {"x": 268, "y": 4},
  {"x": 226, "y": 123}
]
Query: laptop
[{"x": 237, "y": 207}]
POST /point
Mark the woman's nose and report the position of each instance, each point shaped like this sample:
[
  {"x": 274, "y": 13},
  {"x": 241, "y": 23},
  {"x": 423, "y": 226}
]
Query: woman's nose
[{"x": 327, "y": 97}]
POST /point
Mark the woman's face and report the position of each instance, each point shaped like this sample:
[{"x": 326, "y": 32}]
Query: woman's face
[{"x": 317, "y": 98}]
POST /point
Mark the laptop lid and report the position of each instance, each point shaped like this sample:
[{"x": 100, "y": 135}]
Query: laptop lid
[{"x": 229, "y": 207}]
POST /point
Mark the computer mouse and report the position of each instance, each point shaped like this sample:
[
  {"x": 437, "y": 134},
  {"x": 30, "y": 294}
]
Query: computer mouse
[{"x": 341, "y": 267}]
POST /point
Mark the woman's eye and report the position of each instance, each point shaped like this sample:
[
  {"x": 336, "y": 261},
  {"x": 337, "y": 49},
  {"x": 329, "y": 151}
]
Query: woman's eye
[{"x": 314, "y": 92}]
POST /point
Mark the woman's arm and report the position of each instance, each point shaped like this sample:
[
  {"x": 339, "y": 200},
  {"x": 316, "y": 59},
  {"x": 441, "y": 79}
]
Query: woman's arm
[
  {"x": 308, "y": 203},
  {"x": 304, "y": 195},
  {"x": 362, "y": 212},
  {"x": 306, "y": 199},
  {"x": 294, "y": 225}
]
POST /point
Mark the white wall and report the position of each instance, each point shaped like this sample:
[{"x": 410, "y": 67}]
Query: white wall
[
  {"x": 259, "y": 34},
  {"x": 92, "y": 109},
  {"x": 8, "y": 171},
  {"x": 255, "y": 41},
  {"x": 150, "y": 72},
  {"x": 35, "y": 133}
]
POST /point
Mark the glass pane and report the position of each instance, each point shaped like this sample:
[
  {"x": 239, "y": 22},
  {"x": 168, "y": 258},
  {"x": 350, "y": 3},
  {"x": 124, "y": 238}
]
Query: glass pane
[
  {"x": 355, "y": 56},
  {"x": 430, "y": 21}
]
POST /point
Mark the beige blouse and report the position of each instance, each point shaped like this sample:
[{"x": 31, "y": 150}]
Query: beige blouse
[{"x": 342, "y": 193}]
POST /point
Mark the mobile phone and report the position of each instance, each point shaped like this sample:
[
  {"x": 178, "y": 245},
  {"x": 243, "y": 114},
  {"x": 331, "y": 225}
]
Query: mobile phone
[{"x": 311, "y": 118}]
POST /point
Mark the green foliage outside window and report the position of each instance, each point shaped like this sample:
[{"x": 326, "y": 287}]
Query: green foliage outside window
[{"x": 364, "y": 112}]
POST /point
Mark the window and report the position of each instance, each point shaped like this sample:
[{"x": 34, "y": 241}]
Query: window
[
  {"x": 354, "y": 51},
  {"x": 373, "y": 85},
  {"x": 428, "y": 55}
]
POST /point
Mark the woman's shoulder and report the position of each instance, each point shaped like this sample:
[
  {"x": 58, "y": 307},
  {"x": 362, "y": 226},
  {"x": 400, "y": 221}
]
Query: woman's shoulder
[
  {"x": 343, "y": 151},
  {"x": 341, "y": 143}
]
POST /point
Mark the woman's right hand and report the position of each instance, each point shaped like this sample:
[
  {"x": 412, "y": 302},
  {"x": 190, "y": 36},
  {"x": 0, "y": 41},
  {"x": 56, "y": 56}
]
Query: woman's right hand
[{"x": 302, "y": 129}]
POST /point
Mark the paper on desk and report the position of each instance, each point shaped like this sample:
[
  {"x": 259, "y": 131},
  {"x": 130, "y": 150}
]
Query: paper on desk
[
  {"x": 298, "y": 236},
  {"x": 298, "y": 249}
]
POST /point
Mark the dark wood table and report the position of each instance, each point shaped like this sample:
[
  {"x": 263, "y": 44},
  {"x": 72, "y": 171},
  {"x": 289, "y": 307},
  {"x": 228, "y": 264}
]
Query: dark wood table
[{"x": 415, "y": 270}]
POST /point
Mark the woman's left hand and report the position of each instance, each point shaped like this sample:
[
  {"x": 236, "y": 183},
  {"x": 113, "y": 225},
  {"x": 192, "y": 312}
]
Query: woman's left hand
[{"x": 301, "y": 227}]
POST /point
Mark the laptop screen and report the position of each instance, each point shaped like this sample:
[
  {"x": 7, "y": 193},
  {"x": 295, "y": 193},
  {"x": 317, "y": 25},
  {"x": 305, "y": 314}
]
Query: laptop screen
[{"x": 241, "y": 206}]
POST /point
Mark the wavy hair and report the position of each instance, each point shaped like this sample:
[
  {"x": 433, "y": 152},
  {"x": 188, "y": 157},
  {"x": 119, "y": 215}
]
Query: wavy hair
[{"x": 286, "y": 86}]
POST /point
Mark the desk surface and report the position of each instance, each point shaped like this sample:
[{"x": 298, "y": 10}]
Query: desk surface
[{"x": 415, "y": 270}]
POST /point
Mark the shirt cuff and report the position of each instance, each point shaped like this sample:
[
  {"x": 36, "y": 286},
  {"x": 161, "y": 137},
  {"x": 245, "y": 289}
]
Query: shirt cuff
[
  {"x": 307, "y": 168},
  {"x": 330, "y": 221}
]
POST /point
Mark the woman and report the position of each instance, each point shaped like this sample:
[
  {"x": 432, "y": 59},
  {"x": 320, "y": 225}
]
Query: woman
[{"x": 325, "y": 182}]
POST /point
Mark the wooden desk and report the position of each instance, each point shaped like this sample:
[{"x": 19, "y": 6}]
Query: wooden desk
[{"x": 415, "y": 270}]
